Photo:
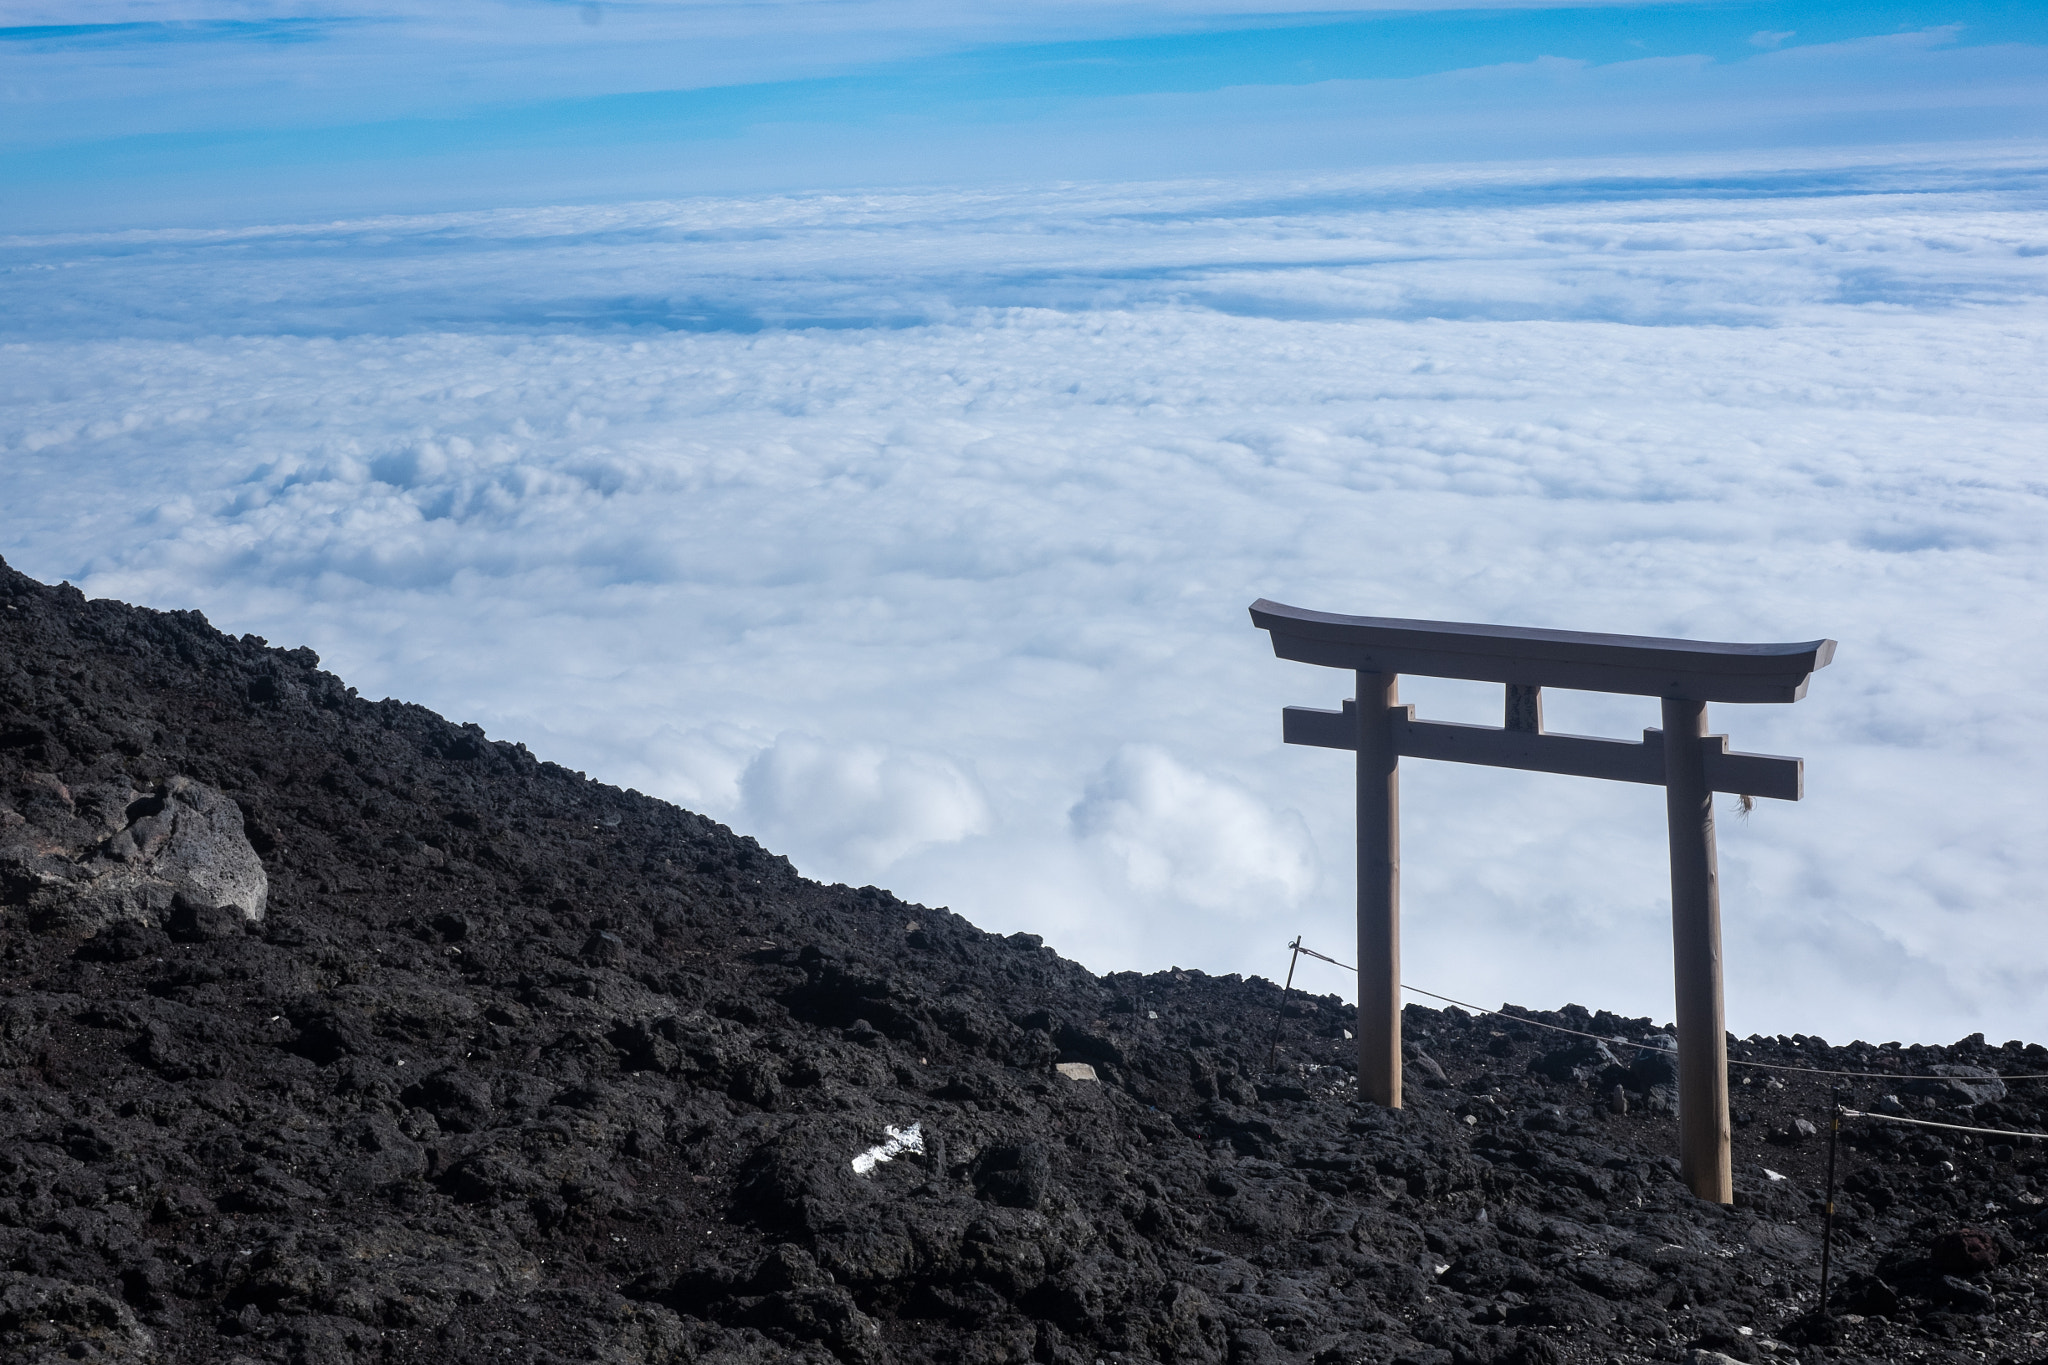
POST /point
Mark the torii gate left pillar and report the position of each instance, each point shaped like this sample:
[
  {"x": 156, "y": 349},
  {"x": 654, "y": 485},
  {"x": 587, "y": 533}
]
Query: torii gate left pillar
[{"x": 1682, "y": 758}]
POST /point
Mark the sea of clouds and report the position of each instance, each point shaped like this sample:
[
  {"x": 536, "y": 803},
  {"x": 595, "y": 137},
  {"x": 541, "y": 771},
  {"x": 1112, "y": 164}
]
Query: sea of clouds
[{"x": 913, "y": 532}]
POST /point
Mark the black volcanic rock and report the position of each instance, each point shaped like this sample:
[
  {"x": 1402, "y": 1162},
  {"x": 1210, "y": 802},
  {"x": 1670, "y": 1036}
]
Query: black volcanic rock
[{"x": 508, "y": 1065}]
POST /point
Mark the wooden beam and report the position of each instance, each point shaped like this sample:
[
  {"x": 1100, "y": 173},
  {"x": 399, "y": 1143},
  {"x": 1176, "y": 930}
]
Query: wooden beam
[
  {"x": 1617, "y": 760},
  {"x": 1704, "y": 1154},
  {"x": 1524, "y": 710},
  {"x": 1640, "y": 665},
  {"x": 1379, "y": 890}
]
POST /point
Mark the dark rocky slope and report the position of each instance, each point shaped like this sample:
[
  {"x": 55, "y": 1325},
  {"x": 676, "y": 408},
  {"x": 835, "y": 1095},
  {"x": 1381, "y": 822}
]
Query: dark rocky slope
[{"x": 334, "y": 1031}]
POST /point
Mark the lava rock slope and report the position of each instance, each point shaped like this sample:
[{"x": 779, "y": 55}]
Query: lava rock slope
[{"x": 435, "y": 1051}]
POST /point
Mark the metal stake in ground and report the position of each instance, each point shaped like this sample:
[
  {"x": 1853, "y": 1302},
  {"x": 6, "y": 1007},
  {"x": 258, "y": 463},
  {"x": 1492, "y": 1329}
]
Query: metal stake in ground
[
  {"x": 1688, "y": 763},
  {"x": 1827, "y": 1234},
  {"x": 1280, "y": 1015}
]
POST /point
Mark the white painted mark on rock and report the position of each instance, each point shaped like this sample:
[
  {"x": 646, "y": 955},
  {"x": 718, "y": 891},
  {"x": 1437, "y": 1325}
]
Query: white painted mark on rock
[{"x": 900, "y": 1140}]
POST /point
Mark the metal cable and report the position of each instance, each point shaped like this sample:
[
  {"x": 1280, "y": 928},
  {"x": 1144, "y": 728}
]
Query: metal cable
[
  {"x": 1930, "y": 1123},
  {"x": 1608, "y": 1038}
]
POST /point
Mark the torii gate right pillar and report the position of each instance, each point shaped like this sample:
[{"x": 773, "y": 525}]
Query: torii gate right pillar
[
  {"x": 1705, "y": 1157},
  {"x": 1379, "y": 892}
]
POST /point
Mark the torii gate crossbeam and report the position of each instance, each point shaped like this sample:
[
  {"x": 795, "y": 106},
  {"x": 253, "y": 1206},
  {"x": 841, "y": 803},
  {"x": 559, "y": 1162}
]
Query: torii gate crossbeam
[{"x": 1682, "y": 757}]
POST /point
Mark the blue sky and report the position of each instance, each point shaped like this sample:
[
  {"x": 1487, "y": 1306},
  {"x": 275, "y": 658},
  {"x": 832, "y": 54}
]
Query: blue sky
[{"x": 205, "y": 112}]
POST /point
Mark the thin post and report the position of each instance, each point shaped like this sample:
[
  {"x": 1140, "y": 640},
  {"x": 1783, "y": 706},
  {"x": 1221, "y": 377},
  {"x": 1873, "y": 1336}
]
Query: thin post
[
  {"x": 1379, "y": 892},
  {"x": 1280, "y": 1015},
  {"x": 1827, "y": 1236},
  {"x": 1704, "y": 1155}
]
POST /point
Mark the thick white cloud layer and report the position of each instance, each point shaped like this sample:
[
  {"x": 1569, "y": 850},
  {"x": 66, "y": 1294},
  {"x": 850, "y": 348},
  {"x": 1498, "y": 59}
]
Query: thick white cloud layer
[{"x": 914, "y": 533}]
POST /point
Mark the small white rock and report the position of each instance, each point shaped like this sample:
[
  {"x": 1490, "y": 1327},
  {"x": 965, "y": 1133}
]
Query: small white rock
[
  {"x": 896, "y": 1142},
  {"x": 1076, "y": 1071}
]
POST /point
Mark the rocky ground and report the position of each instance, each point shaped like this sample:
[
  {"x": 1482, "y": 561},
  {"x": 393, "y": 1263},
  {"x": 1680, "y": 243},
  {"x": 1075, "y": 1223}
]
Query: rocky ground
[{"x": 335, "y": 1031}]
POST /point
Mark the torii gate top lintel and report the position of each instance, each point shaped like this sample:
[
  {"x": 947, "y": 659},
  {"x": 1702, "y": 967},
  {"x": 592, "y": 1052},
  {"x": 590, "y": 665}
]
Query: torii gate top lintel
[{"x": 1638, "y": 665}]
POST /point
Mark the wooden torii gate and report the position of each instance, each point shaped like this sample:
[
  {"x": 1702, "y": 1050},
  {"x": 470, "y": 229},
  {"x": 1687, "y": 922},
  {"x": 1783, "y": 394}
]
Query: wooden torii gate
[{"x": 1683, "y": 758}]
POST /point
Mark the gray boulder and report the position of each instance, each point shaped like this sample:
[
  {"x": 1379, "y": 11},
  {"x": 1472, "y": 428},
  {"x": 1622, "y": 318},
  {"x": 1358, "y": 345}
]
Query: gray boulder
[
  {"x": 1579, "y": 1062},
  {"x": 110, "y": 854},
  {"x": 1954, "y": 1084},
  {"x": 1654, "y": 1073},
  {"x": 52, "y": 1322}
]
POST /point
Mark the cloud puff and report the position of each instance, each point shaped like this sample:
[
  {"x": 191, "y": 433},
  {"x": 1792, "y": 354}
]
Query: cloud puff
[
  {"x": 1182, "y": 836},
  {"x": 895, "y": 529},
  {"x": 857, "y": 807}
]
